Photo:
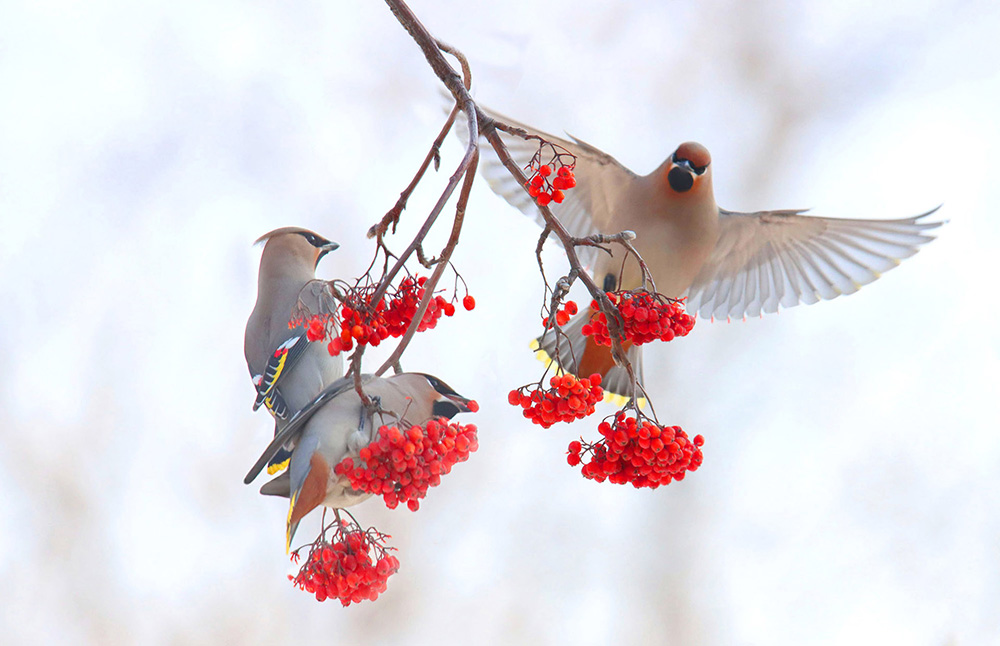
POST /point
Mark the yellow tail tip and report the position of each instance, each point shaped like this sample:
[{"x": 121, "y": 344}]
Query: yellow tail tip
[
  {"x": 544, "y": 357},
  {"x": 277, "y": 467},
  {"x": 288, "y": 522},
  {"x": 621, "y": 400}
]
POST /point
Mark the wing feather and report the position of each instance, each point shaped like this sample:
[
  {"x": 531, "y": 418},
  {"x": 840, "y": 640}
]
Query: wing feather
[
  {"x": 585, "y": 210},
  {"x": 773, "y": 259}
]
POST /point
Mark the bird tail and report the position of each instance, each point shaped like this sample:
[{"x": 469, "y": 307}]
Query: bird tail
[
  {"x": 570, "y": 351},
  {"x": 280, "y": 460}
]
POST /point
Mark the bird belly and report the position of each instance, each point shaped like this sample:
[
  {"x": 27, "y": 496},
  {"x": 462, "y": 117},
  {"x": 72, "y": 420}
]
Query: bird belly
[{"x": 339, "y": 494}]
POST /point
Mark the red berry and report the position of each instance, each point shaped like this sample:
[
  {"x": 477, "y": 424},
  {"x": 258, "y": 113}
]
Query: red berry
[
  {"x": 402, "y": 466},
  {"x": 626, "y": 454},
  {"x": 316, "y": 330},
  {"x": 567, "y": 399},
  {"x": 351, "y": 568},
  {"x": 468, "y": 302},
  {"x": 646, "y": 317},
  {"x": 545, "y": 170}
]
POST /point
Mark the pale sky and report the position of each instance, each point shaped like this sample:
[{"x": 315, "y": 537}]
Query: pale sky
[{"x": 849, "y": 492}]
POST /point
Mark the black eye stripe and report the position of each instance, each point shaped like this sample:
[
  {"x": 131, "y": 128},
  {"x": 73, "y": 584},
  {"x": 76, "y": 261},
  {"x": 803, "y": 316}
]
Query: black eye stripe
[
  {"x": 314, "y": 240},
  {"x": 698, "y": 170}
]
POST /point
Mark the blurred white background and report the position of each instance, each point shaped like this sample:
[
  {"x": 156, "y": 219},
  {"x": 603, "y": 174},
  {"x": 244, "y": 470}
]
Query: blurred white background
[{"x": 850, "y": 488}]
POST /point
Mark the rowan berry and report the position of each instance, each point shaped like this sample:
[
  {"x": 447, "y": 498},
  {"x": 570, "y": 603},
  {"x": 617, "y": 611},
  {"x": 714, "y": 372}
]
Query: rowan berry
[
  {"x": 637, "y": 451},
  {"x": 567, "y": 399},
  {"x": 645, "y": 317},
  {"x": 352, "y": 567},
  {"x": 401, "y": 466}
]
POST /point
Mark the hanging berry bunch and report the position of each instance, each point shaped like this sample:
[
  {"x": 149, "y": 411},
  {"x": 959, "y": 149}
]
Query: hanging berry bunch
[
  {"x": 645, "y": 317},
  {"x": 358, "y": 321},
  {"x": 352, "y": 565},
  {"x": 637, "y": 450},
  {"x": 567, "y": 399},
  {"x": 550, "y": 173},
  {"x": 401, "y": 465}
]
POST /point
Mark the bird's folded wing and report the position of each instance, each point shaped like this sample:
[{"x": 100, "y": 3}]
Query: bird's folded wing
[
  {"x": 298, "y": 420},
  {"x": 773, "y": 259},
  {"x": 587, "y": 208},
  {"x": 278, "y": 364}
]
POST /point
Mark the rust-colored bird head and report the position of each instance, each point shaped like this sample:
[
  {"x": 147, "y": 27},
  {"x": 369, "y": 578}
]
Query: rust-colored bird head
[{"x": 689, "y": 168}]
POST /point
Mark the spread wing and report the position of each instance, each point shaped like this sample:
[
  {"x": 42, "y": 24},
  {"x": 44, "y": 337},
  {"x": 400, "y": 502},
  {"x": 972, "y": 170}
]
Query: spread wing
[
  {"x": 769, "y": 259},
  {"x": 587, "y": 208}
]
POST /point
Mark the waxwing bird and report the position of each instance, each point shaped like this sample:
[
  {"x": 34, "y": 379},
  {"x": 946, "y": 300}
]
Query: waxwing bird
[
  {"x": 725, "y": 263},
  {"x": 287, "y": 370},
  {"x": 336, "y": 424}
]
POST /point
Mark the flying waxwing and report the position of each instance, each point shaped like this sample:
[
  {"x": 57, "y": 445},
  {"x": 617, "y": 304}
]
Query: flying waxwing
[
  {"x": 335, "y": 425},
  {"x": 287, "y": 370},
  {"x": 727, "y": 264}
]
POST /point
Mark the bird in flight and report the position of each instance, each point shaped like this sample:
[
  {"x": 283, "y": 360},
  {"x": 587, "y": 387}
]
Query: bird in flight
[{"x": 725, "y": 264}]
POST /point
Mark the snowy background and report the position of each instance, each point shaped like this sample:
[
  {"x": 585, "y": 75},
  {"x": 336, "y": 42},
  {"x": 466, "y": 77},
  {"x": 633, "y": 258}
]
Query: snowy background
[{"x": 850, "y": 488}]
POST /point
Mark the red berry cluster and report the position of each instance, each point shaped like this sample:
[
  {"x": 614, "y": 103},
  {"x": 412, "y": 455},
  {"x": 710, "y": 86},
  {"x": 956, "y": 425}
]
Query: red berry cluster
[
  {"x": 361, "y": 323},
  {"x": 646, "y": 318},
  {"x": 352, "y": 568},
  {"x": 638, "y": 451},
  {"x": 563, "y": 314},
  {"x": 567, "y": 399},
  {"x": 545, "y": 188},
  {"x": 402, "y": 308},
  {"x": 316, "y": 328},
  {"x": 400, "y": 466}
]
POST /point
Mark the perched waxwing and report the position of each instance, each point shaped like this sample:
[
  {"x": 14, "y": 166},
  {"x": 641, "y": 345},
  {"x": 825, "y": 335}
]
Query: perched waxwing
[
  {"x": 287, "y": 370},
  {"x": 725, "y": 263},
  {"x": 336, "y": 424}
]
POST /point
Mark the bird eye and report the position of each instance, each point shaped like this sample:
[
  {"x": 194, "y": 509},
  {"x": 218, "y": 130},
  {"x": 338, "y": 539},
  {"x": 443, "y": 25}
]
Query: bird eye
[{"x": 699, "y": 170}]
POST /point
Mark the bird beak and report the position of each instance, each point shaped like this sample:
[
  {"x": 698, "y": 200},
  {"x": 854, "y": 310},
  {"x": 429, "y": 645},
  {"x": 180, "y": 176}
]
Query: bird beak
[
  {"x": 452, "y": 405},
  {"x": 681, "y": 176},
  {"x": 325, "y": 249}
]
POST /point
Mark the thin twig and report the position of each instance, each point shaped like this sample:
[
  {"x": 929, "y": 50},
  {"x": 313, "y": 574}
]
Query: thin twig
[{"x": 489, "y": 130}]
